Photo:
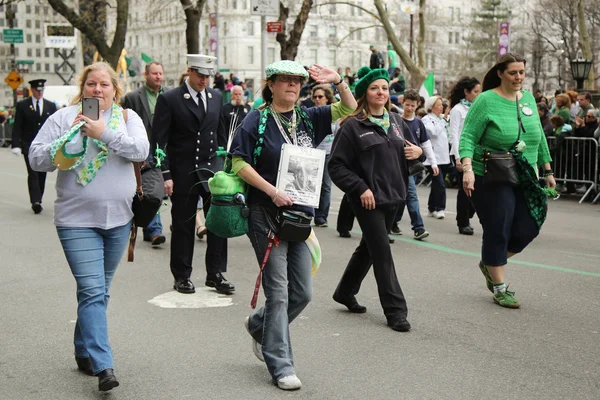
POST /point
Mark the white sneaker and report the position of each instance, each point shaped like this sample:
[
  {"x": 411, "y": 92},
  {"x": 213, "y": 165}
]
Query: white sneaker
[
  {"x": 290, "y": 382},
  {"x": 432, "y": 214},
  {"x": 256, "y": 347},
  {"x": 440, "y": 214}
]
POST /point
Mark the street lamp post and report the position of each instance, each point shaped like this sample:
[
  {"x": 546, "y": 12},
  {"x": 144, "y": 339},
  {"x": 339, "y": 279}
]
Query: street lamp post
[{"x": 580, "y": 69}]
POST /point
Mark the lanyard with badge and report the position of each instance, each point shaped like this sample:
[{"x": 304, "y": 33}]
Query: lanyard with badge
[{"x": 286, "y": 136}]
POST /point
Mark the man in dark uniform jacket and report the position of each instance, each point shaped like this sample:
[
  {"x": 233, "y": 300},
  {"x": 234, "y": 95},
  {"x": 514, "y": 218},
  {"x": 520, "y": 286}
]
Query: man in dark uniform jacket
[
  {"x": 234, "y": 112},
  {"x": 143, "y": 102},
  {"x": 30, "y": 115},
  {"x": 186, "y": 126}
]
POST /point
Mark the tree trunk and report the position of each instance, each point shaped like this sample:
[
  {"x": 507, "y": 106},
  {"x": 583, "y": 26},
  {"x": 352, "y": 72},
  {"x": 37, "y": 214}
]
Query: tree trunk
[
  {"x": 193, "y": 15},
  {"x": 421, "y": 36},
  {"x": 93, "y": 12},
  {"x": 584, "y": 41},
  {"x": 417, "y": 74},
  {"x": 289, "y": 46},
  {"x": 88, "y": 29}
]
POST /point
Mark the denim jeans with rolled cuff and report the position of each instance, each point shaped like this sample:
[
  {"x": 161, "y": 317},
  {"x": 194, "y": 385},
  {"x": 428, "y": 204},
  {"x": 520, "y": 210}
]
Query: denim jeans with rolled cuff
[{"x": 287, "y": 285}]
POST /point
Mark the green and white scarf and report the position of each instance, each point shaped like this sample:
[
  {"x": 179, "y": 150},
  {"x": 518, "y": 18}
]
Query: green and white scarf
[
  {"x": 384, "y": 122},
  {"x": 88, "y": 172}
]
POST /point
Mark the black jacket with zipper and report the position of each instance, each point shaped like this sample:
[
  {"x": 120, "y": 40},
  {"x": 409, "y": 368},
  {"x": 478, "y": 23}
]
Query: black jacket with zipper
[{"x": 364, "y": 157}]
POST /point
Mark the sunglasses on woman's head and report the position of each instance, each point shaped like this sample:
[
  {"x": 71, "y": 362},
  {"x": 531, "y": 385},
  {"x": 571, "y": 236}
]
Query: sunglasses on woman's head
[
  {"x": 319, "y": 96},
  {"x": 290, "y": 78}
]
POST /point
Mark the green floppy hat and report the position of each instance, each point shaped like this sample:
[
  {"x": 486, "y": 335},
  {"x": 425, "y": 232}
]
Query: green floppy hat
[
  {"x": 367, "y": 75},
  {"x": 286, "y": 67}
]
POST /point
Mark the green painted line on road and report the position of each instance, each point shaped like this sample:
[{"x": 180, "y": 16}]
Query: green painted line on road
[{"x": 478, "y": 256}]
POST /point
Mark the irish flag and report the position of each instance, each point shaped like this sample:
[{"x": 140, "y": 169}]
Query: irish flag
[{"x": 428, "y": 87}]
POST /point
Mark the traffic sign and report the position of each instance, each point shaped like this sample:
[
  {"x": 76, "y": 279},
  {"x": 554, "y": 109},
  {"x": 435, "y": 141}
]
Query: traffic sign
[
  {"x": 264, "y": 7},
  {"x": 13, "y": 35},
  {"x": 276, "y": 26},
  {"x": 14, "y": 79}
]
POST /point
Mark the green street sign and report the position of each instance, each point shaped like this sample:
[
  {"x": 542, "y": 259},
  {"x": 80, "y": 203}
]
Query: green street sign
[
  {"x": 25, "y": 62},
  {"x": 13, "y": 36}
]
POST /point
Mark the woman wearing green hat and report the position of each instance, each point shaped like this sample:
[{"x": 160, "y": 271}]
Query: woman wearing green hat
[
  {"x": 256, "y": 152},
  {"x": 369, "y": 163}
]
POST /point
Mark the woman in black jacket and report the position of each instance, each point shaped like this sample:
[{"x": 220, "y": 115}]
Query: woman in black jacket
[{"x": 369, "y": 163}]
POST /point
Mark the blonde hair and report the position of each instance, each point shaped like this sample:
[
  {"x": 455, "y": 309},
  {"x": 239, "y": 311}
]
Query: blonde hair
[{"x": 98, "y": 66}]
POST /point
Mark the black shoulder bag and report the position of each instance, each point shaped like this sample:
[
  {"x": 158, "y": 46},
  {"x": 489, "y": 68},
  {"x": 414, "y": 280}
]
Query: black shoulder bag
[{"x": 500, "y": 167}]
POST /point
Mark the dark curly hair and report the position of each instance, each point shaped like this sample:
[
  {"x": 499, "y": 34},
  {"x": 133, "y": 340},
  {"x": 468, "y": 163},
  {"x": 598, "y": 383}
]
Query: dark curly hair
[{"x": 458, "y": 91}]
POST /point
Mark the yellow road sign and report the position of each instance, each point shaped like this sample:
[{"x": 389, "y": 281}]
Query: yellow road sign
[{"x": 13, "y": 79}]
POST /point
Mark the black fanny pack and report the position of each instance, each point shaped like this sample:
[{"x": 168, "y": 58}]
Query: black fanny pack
[{"x": 288, "y": 225}]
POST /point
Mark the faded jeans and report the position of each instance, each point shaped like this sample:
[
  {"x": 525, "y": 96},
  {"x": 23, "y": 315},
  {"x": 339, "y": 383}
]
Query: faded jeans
[
  {"x": 287, "y": 284},
  {"x": 93, "y": 255}
]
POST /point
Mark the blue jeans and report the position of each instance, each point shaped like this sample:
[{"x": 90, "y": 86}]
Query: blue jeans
[
  {"x": 93, "y": 256},
  {"x": 154, "y": 228},
  {"x": 287, "y": 284},
  {"x": 412, "y": 202},
  {"x": 322, "y": 212}
]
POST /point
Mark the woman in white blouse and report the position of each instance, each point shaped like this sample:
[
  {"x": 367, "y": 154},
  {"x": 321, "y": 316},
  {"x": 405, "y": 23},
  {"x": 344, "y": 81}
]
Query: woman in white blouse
[
  {"x": 461, "y": 97},
  {"x": 92, "y": 212},
  {"x": 437, "y": 129}
]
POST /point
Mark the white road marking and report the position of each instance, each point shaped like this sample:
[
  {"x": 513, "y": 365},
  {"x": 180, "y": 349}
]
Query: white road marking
[{"x": 203, "y": 298}]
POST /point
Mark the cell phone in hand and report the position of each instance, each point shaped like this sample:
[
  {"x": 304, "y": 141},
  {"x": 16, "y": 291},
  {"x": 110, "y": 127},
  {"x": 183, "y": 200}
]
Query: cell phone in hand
[{"x": 90, "y": 107}]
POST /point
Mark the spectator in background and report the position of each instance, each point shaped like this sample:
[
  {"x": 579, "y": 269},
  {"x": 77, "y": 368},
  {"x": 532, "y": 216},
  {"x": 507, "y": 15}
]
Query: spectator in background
[
  {"x": 563, "y": 107},
  {"x": 392, "y": 59},
  {"x": 584, "y": 102},
  {"x": 376, "y": 60},
  {"x": 219, "y": 82},
  {"x": 574, "y": 107},
  {"x": 247, "y": 96},
  {"x": 590, "y": 125},
  {"x": 545, "y": 119},
  {"x": 397, "y": 82}
]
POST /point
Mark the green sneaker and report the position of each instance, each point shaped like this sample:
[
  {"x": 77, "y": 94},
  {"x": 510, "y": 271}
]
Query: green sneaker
[
  {"x": 506, "y": 299},
  {"x": 488, "y": 278}
]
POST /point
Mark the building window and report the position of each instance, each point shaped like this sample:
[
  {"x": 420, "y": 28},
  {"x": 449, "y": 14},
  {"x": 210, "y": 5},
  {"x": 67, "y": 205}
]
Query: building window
[
  {"x": 450, "y": 37},
  {"x": 137, "y": 40},
  {"x": 29, "y": 52},
  {"x": 47, "y": 67},
  {"x": 28, "y": 23},
  {"x": 457, "y": 37},
  {"x": 234, "y": 4},
  {"x": 46, "y": 53},
  {"x": 224, "y": 54},
  {"x": 332, "y": 9},
  {"x": 38, "y": 67},
  {"x": 160, "y": 40},
  {"x": 250, "y": 28},
  {"x": 313, "y": 56},
  {"x": 1, "y": 21},
  {"x": 359, "y": 35},
  {"x": 16, "y": 51},
  {"x": 359, "y": 10},
  {"x": 38, "y": 38},
  {"x": 38, "y": 53},
  {"x": 28, "y": 9},
  {"x": 314, "y": 31},
  {"x": 251, "y": 55},
  {"x": 28, "y": 38},
  {"x": 270, "y": 55},
  {"x": 45, "y": 10},
  {"x": 332, "y": 31},
  {"x": 37, "y": 10},
  {"x": 37, "y": 24},
  {"x": 225, "y": 28},
  {"x": 56, "y": 53}
]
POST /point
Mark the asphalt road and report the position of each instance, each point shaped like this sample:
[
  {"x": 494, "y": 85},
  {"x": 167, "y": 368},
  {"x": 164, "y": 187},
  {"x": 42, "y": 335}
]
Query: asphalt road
[{"x": 462, "y": 346}]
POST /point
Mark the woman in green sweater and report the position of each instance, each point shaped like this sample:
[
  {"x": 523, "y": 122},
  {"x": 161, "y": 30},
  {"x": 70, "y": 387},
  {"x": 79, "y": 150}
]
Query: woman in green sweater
[{"x": 511, "y": 216}]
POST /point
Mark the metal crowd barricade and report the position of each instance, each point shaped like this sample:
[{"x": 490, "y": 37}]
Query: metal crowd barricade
[
  {"x": 5, "y": 136},
  {"x": 576, "y": 161}
]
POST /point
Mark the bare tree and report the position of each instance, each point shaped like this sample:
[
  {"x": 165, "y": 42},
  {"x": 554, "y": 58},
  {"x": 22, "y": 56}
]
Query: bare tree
[
  {"x": 584, "y": 40},
  {"x": 193, "y": 14},
  {"x": 88, "y": 29},
  {"x": 289, "y": 45}
]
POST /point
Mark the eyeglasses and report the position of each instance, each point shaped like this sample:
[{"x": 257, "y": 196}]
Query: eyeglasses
[
  {"x": 290, "y": 78},
  {"x": 589, "y": 116},
  {"x": 319, "y": 96}
]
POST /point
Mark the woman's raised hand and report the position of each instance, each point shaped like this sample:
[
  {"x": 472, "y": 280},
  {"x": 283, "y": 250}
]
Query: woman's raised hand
[{"x": 323, "y": 74}]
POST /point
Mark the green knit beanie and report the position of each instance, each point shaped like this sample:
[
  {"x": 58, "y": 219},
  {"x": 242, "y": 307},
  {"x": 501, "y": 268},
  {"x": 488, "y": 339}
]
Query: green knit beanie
[{"x": 366, "y": 76}]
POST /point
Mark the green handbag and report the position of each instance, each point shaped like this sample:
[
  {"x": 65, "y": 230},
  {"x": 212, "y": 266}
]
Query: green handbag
[{"x": 228, "y": 214}]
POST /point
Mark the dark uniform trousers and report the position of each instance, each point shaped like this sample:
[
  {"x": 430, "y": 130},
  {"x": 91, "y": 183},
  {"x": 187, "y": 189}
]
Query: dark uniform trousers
[
  {"x": 36, "y": 181},
  {"x": 374, "y": 250}
]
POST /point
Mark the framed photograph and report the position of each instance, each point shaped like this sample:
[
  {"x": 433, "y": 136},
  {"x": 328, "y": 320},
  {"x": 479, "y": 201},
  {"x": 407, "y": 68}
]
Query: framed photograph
[{"x": 301, "y": 174}]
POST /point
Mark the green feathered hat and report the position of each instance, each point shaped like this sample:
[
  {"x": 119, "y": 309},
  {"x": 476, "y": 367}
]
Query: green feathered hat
[
  {"x": 286, "y": 67},
  {"x": 366, "y": 76}
]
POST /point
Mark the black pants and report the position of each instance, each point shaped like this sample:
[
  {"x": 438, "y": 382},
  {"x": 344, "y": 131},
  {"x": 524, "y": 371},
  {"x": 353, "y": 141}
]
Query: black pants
[
  {"x": 464, "y": 208},
  {"x": 437, "y": 195},
  {"x": 36, "y": 182},
  {"x": 183, "y": 238},
  {"x": 345, "y": 219},
  {"x": 374, "y": 249}
]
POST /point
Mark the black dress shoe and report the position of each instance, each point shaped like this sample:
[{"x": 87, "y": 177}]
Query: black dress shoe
[
  {"x": 399, "y": 324},
  {"x": 84, "y": 365},
  {"x": 184, "y": 286},
  {"x": 219, "y": 282},
  {"x": 107, "y": 380},
  {"x": 466, "y": 230},
  {"x": 37, "y": 207},
  {"x": 345, "y": 234},
  {"x": 350, "y": 302}
]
